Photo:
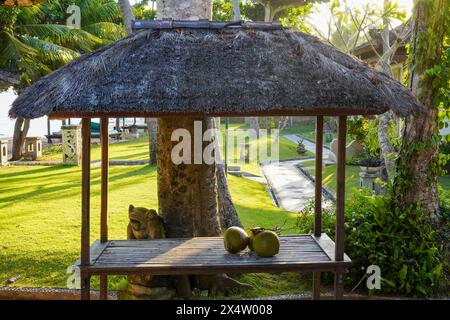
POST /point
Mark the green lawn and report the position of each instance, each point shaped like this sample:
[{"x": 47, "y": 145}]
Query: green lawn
[
  {"x": 40, "y": 216},
  {"x": 307, "y": 131},
  {"x": 138, "y": 150},
  {"x": 329, "y": 176}
]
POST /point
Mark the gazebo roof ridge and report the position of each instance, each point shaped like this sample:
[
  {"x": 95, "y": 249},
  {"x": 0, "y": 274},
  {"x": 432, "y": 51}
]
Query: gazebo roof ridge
[{"x": 215, "y": 72}]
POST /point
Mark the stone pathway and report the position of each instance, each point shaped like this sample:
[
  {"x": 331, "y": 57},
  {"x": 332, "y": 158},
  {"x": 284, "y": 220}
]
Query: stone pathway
[
  {"x": 310, "y": 146},
  {"x": 291, "y": 188}
]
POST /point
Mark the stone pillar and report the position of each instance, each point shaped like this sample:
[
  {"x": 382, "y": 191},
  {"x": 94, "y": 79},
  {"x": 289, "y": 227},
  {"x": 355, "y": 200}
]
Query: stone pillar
[
  {"x": 71, "y": 144},
  {"x": 33, "y": 148},
  {"x": 244, "y": 153},
  {"x": 3, "y": 152},
  {"x": 368, "y": 180}
]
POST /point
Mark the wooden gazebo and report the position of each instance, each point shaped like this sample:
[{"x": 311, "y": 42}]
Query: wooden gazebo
[{"x": 203, "y": 69}]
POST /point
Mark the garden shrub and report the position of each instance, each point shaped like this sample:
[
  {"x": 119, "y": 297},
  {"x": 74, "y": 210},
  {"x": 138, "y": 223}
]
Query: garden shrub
[
  {"x": 402, "y": 244},
  {"x": 305, "y": 219}
]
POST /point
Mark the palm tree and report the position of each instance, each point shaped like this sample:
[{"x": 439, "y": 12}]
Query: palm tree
[{"x": 35, "y": 41}]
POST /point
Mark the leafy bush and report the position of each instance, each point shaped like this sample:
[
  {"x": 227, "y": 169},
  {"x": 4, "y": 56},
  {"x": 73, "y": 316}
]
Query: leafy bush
[
  {"x": 443, "y": 235},
  {"x": 305, "y": 219},
  {"x": 402, "y": 244},
  {"x": 52, "y": 150},
  {"x": 357, "y": 129}
]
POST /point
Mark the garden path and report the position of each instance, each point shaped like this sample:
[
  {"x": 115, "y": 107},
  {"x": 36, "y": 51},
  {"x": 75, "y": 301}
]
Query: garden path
[
  {"x": 309, "y": 145},
  {"x": 291, "y": 188}
]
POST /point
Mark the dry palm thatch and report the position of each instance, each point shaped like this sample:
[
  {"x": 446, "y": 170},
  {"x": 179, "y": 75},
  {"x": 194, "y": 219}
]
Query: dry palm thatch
[{"x": 224, "y": 72}]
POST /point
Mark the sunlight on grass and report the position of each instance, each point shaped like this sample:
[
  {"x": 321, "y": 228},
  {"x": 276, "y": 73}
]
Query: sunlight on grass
[
  {"x": 40, "y": 212},
  {"x": 329, "y": 177}
]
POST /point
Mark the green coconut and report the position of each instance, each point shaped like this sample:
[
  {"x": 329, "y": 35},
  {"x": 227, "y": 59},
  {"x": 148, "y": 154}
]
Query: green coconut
[
  {"x": 235, "y": 239},
  {"x": 252, "y": 234},
  {"x": 266, "y": 243}
]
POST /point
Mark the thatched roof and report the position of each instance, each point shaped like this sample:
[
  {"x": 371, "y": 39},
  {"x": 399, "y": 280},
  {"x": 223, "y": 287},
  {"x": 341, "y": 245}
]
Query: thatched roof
[{"x": 228, "y": 72}]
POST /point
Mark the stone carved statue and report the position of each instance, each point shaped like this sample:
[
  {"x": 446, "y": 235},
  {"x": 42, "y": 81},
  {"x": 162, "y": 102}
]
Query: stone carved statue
[{"x": 146, "y": 224}]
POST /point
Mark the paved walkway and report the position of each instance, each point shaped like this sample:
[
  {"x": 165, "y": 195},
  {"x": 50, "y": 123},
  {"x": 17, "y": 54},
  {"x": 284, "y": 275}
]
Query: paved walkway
[
  {"x": 291, "y": 188},
  {"x": 310, "y": 146}
]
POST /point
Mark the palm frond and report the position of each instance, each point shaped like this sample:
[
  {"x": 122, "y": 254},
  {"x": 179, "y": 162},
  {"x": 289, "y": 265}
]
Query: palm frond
[
  {"x": 13, "y": 50},
  {"x": 62, "y": 36},
  {"x": 106, "y": 30},
  {"x": 50, "y": 53},
  {"x": 30, "y": 15},
  {"x": 100, "y": 10}
]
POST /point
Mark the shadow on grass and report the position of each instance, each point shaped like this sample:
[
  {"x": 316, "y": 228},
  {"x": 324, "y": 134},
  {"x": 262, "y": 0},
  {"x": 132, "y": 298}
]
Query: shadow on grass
[
  {"x": 44, "y": 190},
  {"x": 44, "y": 269}
]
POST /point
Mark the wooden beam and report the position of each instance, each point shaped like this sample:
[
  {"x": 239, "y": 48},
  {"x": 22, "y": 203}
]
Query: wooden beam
[
  {"x": 85, "y": 207},
  {"x": 104, "y": 138},
  {"x": 318, "y": 178},
  {"x": 340, "y": 190},
  {"x": 157, "y": 114}
]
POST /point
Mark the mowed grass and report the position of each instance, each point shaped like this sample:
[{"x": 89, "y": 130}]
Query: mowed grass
[
  {"x": 136, "y": 149},
  {"x": 40, "y": 216},
  {"x": 329, "y": 176}
]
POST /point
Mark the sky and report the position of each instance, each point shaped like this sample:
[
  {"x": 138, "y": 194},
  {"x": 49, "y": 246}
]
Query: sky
[
  {"x": 38, "y": 127},
  {"x": 321, "y": 17}
]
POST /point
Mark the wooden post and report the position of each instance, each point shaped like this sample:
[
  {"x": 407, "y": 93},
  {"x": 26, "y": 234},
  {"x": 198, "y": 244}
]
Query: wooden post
[
  {"x": 340, "y": 205},
  {"x": 318, "y": 197},
  {"x": 85, "y": 204},
  {"x": 318, "y": 178},
  {"x": 104, "y": 180},
  {"x": 49, "y": 131},
  {"x": 104, "y": 137}
]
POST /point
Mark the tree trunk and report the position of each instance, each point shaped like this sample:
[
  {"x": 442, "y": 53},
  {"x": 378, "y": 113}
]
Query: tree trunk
[
  {"x": 417, "y": 163},
  {"x": 187, "y": 193},
  {"x": 384, "y": 65},
  {"x": 228, "y": 215},
  {"x": 184, "y": 9},
  {"x": 20, "y": 132},
  {"x": 152, "y": 129},
  {"x": 268, "y": 15},
  {"x": 253, "y": 123},
  {"x": 127, "y": 15}
]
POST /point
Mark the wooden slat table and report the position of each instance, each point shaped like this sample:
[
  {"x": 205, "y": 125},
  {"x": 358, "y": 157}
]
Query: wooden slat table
[{"x": 206, "y": 255}]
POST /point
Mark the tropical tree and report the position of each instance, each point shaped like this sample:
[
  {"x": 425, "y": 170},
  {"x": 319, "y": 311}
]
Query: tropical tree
[
  {"x": 189, "y": 198},
  {"x": 418, "y": 164},
  {"x": 272, "y": 8},
  {"x": 128, "y": 15},
  {"x": 35, "y": 41}
]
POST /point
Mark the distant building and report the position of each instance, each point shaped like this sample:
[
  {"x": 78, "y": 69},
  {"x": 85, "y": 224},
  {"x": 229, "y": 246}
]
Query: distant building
[{"x": 371, "y": 50}]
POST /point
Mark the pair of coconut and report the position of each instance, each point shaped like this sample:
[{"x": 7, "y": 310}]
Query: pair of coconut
[{"x": 264, "y": 243}]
